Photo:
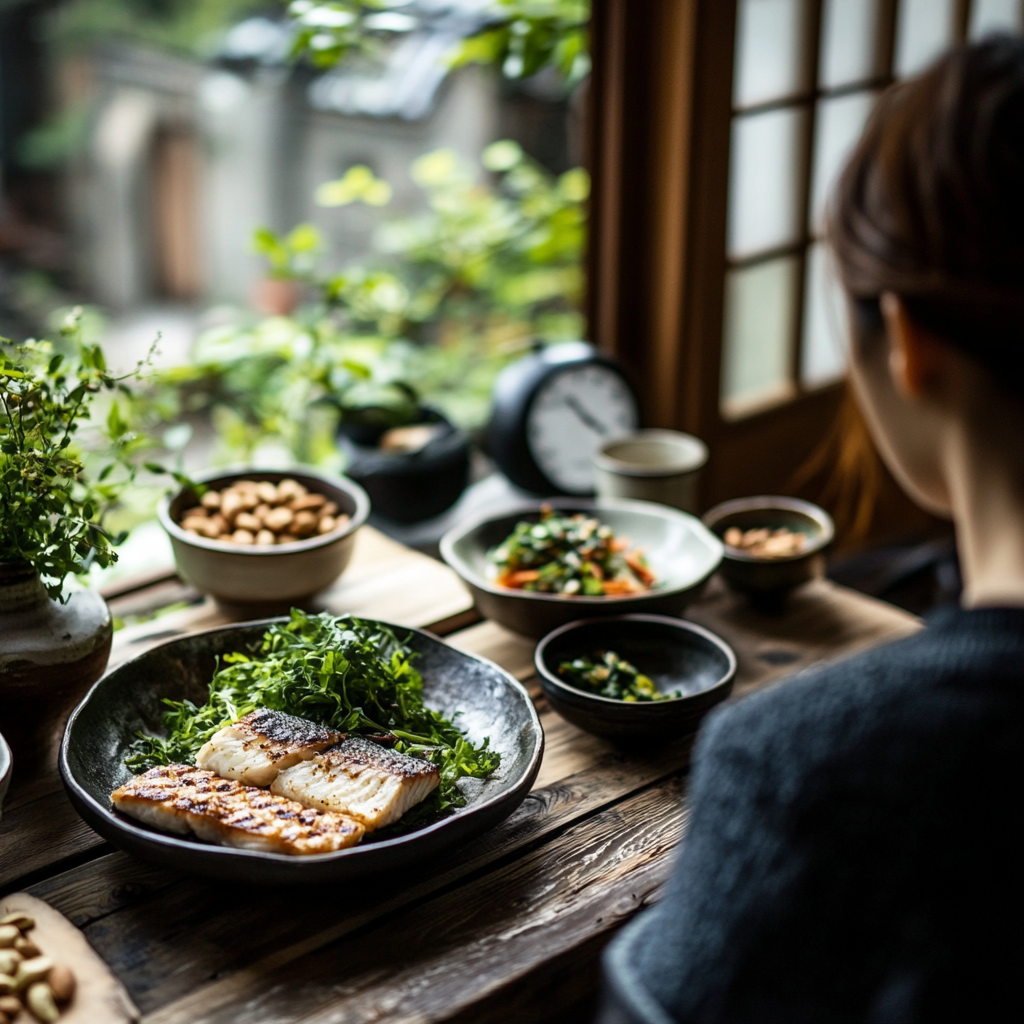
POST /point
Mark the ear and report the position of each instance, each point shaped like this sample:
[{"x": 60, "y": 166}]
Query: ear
[{"x": 916, "y": 357}]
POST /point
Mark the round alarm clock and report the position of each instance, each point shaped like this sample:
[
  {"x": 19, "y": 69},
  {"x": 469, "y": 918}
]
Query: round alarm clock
[{"x": 552, "y": 411}]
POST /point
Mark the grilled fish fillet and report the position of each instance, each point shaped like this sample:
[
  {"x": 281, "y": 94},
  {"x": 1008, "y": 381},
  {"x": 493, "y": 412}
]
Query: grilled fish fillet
[
  {"x": 258, "y": 746},
  {"x": 180, "y": 798},
  {"x": 368, "y": 782}
]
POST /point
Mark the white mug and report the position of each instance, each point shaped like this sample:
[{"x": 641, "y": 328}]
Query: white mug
[{"x": 652, "y": 465}]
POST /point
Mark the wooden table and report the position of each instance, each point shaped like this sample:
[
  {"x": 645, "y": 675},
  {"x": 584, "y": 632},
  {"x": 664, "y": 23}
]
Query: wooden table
[{"x": 507, "y": 929}]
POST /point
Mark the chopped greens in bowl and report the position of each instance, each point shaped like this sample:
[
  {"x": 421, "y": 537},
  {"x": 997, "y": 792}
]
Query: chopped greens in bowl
[
  {"x": 353, "y": 676},
  {"x": 608, "y": 675},
  {"x": 573, "y": 555}
]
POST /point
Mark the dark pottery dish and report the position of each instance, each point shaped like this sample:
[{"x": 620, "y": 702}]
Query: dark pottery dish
[
  {"x": 772, "y": 576},
  {"x": 248, "y": 581},
  {"x": 681, "y": 553},
  {"x": 410, "y": 487},
  {"x": 50, "y": 654},
  {"x": 128, "y": 699},
  {"x": 676, "y": 655}
]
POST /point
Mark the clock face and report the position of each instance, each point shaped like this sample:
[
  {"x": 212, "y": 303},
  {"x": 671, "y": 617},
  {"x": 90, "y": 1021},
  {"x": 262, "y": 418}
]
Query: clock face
[{"x": 572, "y": 415}]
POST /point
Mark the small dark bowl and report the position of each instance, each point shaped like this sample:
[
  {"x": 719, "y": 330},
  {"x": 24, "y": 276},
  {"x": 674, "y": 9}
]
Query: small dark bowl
[
  {"x": 682, "y": 554},
  {"x": 676, "y": 655},
  {"x": 409, "y": 487},
  {"x": 489, "y": 701},
  {"x": 772, "y": 576}
]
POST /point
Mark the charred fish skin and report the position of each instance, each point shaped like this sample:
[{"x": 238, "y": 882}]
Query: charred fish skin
[
  {"x": 255, "y": 748},
  {"x": 363, "y": 780},
  {"x": 184, "y": 799}
]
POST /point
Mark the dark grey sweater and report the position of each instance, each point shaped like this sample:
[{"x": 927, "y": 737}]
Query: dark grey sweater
[{"x": 856, "y": 847}]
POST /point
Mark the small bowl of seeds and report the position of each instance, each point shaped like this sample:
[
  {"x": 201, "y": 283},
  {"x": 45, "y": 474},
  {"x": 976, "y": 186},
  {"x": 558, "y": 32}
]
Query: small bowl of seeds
[
  {"x": 772, "y": 544},
  {"x": 260, "y": 541}
]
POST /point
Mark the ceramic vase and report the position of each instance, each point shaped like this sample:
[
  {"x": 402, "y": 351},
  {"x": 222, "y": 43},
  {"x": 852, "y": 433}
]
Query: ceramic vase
[{"x": 50, "y": 654}]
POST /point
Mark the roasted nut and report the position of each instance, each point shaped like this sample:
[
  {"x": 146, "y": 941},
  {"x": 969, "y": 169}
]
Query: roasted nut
[
  {"x": 303, "y": 524},
  {"x": 211, "y": 500},
  {"x": 267, "y": 493},
  {"x": 242, "y": 537},
  {"x": 11, "y": 1005},
  {"x": 194, "y": 525},
  {"x": 232, "y": 502},
  {"x": 284, "y": 538},
  {"x": 278, "y": 519},
  {"x": 266, "y": 538},
  {"x": 733, "y": 536},
  {"x": 4, "y": 1019},
  {"x": 39, "y": 999},
  {"x": 20, "y": 920},
  {"x": 197, "y": 511},
  {"x": 7, "y": 984},
  {"x": 310, "y": 502},
  {"x": 8, "y": 933},
  {"x": 330, "y": 509},
  {"x": 245, "y": 485},
  {"x": 27, "y": 948},
  {"x": 62, "y": 983},
  {"x": 247, "y": 521},
  {"x": 260, "y": 512},
  {"x": 9, "y": 960},
  {"x": 289, "y": 490},
  {"x": 31, "y": 971},
  {"x": 326, "y": 524}
]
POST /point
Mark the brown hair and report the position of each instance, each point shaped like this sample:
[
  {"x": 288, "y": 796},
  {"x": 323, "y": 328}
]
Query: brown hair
[{"x": 931, "y": 205}]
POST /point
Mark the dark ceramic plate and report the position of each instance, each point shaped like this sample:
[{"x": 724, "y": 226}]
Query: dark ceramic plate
[
  {"x": 681, "y": 551},
  {"x": 676, "y": 655},
  {"x": 492, "y": 703}
]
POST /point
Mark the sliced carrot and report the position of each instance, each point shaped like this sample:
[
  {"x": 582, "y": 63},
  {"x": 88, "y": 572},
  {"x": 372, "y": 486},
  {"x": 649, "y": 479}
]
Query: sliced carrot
[
  {"x": 644, "y": 574},
  {"x": 619, "y": 544},
  {"x": 519, "y": 578},
  {"x": 614, "y": 587}
]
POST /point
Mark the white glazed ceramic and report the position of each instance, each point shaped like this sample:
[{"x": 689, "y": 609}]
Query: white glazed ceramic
[
  {"x": 652, "y": 465},
  {"x": 5, "y": 771},
  {"x": 266, "y": 579}
]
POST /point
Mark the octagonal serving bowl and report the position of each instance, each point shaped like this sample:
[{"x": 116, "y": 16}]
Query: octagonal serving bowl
[{"x": 681, "y": 552}]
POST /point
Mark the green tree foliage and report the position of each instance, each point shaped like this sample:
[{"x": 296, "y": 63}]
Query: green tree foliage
[
  {"x": 51, "y": 508},
  {"x": 522, "y": 37},
  {"x": 449, "y": 297}
]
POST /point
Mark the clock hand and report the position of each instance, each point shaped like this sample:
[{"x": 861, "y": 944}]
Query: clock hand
[{"x": 584, "y": 416}]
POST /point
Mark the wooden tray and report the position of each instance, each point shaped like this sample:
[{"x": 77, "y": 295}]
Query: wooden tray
[{"x": 99, "y": 997}]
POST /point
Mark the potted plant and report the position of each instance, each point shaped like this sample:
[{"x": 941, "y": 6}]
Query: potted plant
[
  {"x": 412, "y": 460},
  {"x": 54, "y": 643}
]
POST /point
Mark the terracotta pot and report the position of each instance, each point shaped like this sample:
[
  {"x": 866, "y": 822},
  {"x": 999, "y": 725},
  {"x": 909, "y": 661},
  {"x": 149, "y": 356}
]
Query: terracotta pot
[
  {"x": 50, "y": 654},
  {"x": 274, "y": 296}
]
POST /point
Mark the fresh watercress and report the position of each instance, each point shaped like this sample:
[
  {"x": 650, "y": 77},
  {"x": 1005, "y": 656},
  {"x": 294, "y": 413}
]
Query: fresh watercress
[{"x": 351, "y": 675}]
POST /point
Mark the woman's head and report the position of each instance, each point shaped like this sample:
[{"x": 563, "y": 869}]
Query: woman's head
[{"x": 927, "y": 227}]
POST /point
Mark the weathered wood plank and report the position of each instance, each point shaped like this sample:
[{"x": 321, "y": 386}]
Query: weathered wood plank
[
  {"x": 512, "y": 652},
  {"x": 817, "y": 622},
  {"x": 384, "y": 580},
  {"x": 40, "y": 835},
  {"x": 171, "y": 936},
  {"x": 457, "y": 949}
]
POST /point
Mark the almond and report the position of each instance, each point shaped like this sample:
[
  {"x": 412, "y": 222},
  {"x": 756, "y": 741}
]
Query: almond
[
  {"x": 242, "y": 537},
  {"x": 326, "y": 524},
  {"x": 62, "y": 983},
  {"x": 308, "y": 502},
  {"x": 303, "y": 524},
  {"x": 278, "y": 519},
  {"x": 248, "y": 521},
  {"x": 266, "y": 538},
  {"x": 211, "y": 500},
  {"x": 267, "y": 493}
]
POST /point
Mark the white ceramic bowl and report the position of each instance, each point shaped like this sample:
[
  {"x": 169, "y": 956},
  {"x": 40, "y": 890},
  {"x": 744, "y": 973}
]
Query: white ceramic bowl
[{"x": 265, "y": 580}]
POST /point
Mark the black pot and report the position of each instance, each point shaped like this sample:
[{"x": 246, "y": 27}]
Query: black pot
[{"x": 409, "y": 487}]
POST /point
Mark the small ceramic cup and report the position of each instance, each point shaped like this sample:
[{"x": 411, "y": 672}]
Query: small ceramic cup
[{"x": 652, "y": 465}]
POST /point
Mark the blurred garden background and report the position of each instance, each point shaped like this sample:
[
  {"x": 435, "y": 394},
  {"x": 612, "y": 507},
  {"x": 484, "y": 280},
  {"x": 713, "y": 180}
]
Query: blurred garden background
[{"x": 297, "y": 215}]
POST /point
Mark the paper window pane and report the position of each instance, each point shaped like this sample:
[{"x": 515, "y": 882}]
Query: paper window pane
[
  {"x": 758, "y": 330},
  {"x": 768, "y": 50},
  {"x": 764, "y": 210},
  {"x": 924, "y": 29},
  {"x": 840, "y": 123},
  {"x": 848, "y": 42},
  {"x": 823, "y": 358},
  {"x": 988, "y": 16}
]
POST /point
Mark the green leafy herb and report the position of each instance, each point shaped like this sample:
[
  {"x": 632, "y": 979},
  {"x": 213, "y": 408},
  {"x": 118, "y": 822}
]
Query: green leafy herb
[
  {"x": 345, "y": 673},
  {"x": 573, "y": 555},
  {"x": 51, "y": 506},
  {"x": 608, "y": 675}
]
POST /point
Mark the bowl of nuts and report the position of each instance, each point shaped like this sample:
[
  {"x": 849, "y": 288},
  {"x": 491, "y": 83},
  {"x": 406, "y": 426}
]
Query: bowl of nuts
[
  {"x": 259, "y": 541},
  {"x": 772, "y": 544}
]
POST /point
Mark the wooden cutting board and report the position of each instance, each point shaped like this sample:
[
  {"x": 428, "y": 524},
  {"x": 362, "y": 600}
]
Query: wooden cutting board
[{"x": 99, "y": 997}]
